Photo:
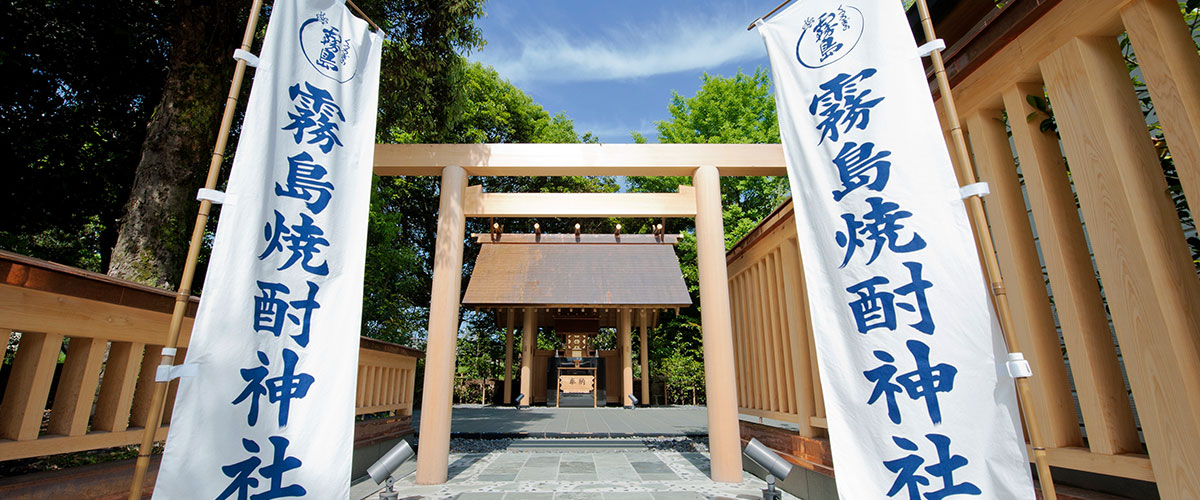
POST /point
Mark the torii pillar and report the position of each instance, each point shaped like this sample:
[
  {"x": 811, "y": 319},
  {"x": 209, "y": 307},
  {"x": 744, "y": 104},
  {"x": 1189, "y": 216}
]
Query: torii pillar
[
  {"x": 724, "y": 439},
  {"x": 434, "y": 453}
]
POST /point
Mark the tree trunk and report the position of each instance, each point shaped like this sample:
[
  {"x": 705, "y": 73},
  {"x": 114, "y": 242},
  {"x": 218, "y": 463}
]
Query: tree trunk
[{"x": 152, "y": 244}]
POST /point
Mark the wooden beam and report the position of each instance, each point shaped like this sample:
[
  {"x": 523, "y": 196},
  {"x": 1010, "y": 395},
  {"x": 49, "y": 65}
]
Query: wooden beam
[
  {"x": 1144, "y": 263},
  {"x": 579, "y": 159},
  {"x": 480, "y": 204},
  {"x": 77, "y": 387},
  {"x": 28, "y": 384},
  {"x": 1018, "y": 258}
]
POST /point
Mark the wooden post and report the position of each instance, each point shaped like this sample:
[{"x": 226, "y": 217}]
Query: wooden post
[
  {"x": 189, "y": 270},
  {"x": 528, "y": 342},
  {"x": 508, "y": 342},
  {"x": 716, "y": 329},
  {"x": 983, "y": 238},
  {"x": 29, "y": 385},
  {"x": 433, "y": 454},
  {"x": 624, "y": 334},
  {"x": 1167, "y": 57},
  {"x": 1144, "y": 262},
  {"x": 77, "y": 387},
  {"x": 644, "y": 356}
]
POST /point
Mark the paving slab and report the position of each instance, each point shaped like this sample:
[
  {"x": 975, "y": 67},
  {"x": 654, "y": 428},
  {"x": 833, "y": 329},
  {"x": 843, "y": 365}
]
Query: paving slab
[
  {"x": 612, "y": 475},
  {"x": 494, "y": 421}
]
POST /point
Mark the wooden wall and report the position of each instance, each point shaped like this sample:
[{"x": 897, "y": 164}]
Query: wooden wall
[
  {"x": 114, "y": 333},
  {"x": 1103, "y": 286}
]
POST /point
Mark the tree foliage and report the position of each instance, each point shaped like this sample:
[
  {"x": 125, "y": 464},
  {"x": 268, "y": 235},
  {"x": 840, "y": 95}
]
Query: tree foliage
[
  {"x": 72, "y": 121},
  {"x": 727, "y": 110}
]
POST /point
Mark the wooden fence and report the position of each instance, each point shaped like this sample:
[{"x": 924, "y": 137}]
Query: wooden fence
[
  {"x": 1099, "y": 274},
  {"x": 96, "y": 394}
]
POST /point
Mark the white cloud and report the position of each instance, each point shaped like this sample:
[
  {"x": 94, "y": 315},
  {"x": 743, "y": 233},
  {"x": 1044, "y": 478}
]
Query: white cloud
[{"x": 547, "y": 54}]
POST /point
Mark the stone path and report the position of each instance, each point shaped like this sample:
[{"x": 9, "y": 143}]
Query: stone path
[
  {"x": 624, "y": 475},
  {"x": 491, "y": 421}
]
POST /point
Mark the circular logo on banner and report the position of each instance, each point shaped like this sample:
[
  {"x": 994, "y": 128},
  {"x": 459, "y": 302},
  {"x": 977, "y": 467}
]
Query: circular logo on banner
[
  {"x": 829, "y": 36},
  {"x": 325, "y": 48}
]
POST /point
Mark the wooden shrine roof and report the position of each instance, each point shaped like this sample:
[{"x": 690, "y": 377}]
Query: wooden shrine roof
[{"x": 563, "y": 271}]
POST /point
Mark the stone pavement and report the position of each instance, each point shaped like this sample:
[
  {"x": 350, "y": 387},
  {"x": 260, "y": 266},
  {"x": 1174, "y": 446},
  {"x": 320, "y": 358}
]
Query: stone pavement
[
  {"x": 625, "y": 475},
  {"x": 493, "y": 421}
]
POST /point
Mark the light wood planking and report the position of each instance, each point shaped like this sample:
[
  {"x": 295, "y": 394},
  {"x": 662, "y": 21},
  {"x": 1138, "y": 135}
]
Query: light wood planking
[
  {"x": 1130, "y": 465},
  {"x": 26, "y": 309},
  {"x": 1145, "y": 265},
  {"x": 77, "y": 387},
  {"x": 738, "y": 340},
  {"x": 780, "y": 322},
  {"x": 116, "y": 389},
  {"x": 1022, "y": 270},
  {"x": 51, "y": 445},
  {"x": 1097, "y": 373},
  {"x": 798, "y": 330},
  {"x": 480, "y": 204},
  {"x": 767, "y": 380},
  {"x": 776, "y": 415},
  {"x": 579, "y": 159},
  {"x": 139, "y": 414},
  {"x": 1168, "y": 60},
  {"x": 28, "y": 384}
]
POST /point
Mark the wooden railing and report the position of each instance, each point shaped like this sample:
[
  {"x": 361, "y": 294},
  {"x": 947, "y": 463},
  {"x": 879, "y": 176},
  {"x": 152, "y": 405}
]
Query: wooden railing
[
  {"x": 1099, "y": 275},
  {"x": 114, "y": 333}
]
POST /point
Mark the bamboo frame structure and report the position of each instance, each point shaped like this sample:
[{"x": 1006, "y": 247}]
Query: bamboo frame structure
[
  {"x": 189, "y": 269},
  {"x": 983, "y": 237}
]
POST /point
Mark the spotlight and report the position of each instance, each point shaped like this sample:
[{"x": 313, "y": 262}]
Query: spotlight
[
  {"x": 775, "y": 465},
  {"x": 577, "y": 227},
  {"x": 633, "y": 401},
  {"x": 387, "y": 464},
  {"x": 517, "y": 401}
]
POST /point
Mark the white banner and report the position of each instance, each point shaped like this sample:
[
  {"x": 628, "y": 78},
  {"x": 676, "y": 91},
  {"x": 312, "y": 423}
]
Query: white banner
[
  {"x": 269, "y": 412},
  {"x": 919, "y": 402}
]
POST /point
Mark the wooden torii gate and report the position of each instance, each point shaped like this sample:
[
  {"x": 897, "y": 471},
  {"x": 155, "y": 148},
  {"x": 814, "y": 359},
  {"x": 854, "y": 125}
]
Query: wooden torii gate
[{"x": 704, "y": 163}]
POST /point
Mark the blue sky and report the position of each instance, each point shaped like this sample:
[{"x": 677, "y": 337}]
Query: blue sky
[{"x": 611, "y": 65}]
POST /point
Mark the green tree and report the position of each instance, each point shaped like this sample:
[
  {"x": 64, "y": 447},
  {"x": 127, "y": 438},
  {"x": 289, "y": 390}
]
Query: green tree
[
  {"x": 403, "y": 217},
  {"x": 418, "y": 90},
  {"x": 728, "y": 110},
  {"x": 72, "y": 121}
]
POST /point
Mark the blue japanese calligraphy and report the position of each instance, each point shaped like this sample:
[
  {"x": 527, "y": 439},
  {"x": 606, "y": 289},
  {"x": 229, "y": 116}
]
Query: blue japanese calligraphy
[
  {"x": 315, "y": 115},
  {"x": 906, "y": 469},
  {"x": 856, "y": 163},
  {"x": 927, "y": 381},
  {"x": 280, "y": 464},
  {"x": 882, "y": 377},
  {"x": 304, "y": 182},
  {"x": 254, "y": 387},
  {"x": 945, "y": 468},
  {"x": 279, "y": 390},
  {"x": 269, "y": 309},
  {"x": 873, "y": 309},
  {"x": 923, "y": 383},
  {"x": 302, "y": 241},
  {"x": 881, "y": 225},
  {"x": 240, "y": 473},
  {"x": 307, "y": 304},
  {"x": 917, "y": 288},
  {"x": 843, "y": 103},
  {"x": 288, "y": 386}
]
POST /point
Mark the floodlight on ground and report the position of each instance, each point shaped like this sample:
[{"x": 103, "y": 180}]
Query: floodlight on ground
[
  {"x": 633, "y": 401},
  {"x": 775, "y": 465},
  {"x": 383, "y": 468},
  {"x": 517, "y": 401}
]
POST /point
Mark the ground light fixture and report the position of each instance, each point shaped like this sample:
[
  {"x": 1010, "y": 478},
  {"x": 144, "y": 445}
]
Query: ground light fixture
[
  {"x": 517, "y": 401},
  {"x": 775, "y": 465},
  {"x": 387, "y": 464},
  {"x": 633, "y": 401}
]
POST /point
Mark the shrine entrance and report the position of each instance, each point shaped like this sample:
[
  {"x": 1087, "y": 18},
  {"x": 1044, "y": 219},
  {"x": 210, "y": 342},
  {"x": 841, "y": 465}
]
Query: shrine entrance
[
  {"x": 703, "y": 163},
  {"x": 575, "y": 286}
]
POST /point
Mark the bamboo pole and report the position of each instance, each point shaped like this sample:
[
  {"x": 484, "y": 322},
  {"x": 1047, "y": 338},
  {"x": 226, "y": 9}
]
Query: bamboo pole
[
  {"x": 189, "y": 270},
  {"x": 983, "y": 236}
]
